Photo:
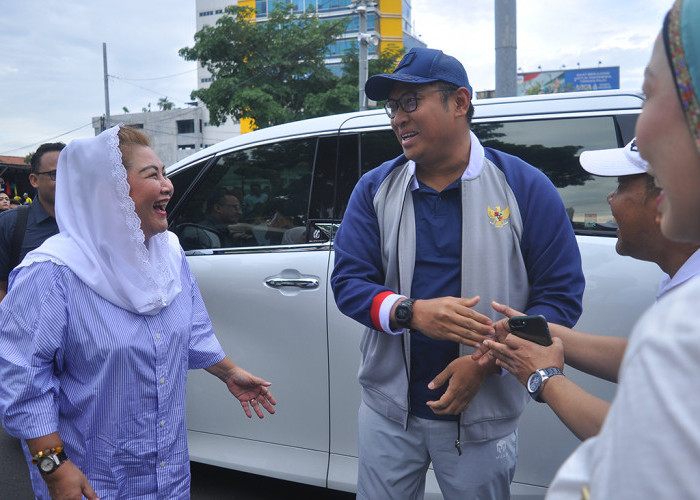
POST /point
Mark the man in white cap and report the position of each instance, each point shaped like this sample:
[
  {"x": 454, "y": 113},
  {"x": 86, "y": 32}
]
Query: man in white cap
[{"x": 633, "y": 204}]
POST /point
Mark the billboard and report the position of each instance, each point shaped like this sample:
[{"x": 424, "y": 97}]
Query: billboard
[{"x": 569, "y": 80}]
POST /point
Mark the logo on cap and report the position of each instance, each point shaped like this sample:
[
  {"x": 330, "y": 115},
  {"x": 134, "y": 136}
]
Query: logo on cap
[{"x": 406, "y": 60}]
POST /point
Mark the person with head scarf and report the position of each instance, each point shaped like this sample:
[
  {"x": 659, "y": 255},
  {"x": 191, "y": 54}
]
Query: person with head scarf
[
  {"x": 99, "y": 328},
  {"x": 649, "y": 445}
]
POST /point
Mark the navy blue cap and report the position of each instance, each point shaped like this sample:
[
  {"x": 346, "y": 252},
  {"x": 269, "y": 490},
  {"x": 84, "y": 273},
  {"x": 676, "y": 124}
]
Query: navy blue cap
[{"x": 419, "y": 65}]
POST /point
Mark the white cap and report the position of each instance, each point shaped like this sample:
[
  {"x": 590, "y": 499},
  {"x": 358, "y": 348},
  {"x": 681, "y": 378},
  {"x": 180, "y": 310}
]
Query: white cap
[{"x": 614, "y": 162}]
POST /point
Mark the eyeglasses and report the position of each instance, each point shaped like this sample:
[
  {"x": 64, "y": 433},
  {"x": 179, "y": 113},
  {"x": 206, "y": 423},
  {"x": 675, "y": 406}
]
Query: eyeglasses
[
  {"x": 408, "y": 102},
  {"x": 50, "y": 173}
]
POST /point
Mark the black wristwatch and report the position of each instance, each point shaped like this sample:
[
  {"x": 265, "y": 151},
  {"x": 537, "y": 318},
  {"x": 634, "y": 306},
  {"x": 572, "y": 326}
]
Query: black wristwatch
[
  {"x": 537, "y": 379},
  {"x": 403, "y": 314},
  {"x": 49, "y": 463}
]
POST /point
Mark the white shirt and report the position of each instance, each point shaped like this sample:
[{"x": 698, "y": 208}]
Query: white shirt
[
  {"x": 649, "y": 446},
  {"x": 690, "y": 268}
]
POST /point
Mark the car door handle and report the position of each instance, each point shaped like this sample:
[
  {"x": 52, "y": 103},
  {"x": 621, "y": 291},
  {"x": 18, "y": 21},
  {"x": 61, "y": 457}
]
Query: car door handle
[{"x": 298, "y": 282}]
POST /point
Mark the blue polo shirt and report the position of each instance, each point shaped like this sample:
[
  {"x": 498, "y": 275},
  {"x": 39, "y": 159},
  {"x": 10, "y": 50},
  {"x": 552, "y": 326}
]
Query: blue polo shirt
[
  {"x": 40, "y": 226},
  {"x": 437, "y": 274}
]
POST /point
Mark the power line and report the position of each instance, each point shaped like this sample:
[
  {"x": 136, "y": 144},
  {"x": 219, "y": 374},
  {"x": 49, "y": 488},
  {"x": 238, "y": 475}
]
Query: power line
[
  {"x": 160, "y": 94},
  {"x": 155, "y": 78},
  {"x": 48, "y": 140}
]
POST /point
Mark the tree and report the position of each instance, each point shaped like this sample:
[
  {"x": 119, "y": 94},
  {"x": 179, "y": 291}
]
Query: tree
[
  {"x": 164, "y": 104},
  {"x": 264, "y": 70},
  {"x": 344, "y": 97}
]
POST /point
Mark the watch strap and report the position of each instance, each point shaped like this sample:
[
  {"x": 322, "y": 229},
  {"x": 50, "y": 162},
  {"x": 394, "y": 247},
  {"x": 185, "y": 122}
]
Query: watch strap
[
  {"x": 551, "y": 371},
  {"x": 545, "y": 374},
  {"x": 405, "y": 304},
  {"x": 58, "y": 458}
]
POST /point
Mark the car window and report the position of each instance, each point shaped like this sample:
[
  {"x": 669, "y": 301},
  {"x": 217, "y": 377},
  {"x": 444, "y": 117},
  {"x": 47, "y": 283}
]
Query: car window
[
  {"x": 357, "y": 155},
  {"x": 378, "y": 147},
  {"x": 252, "y": 197},
  {"x": 554, "y": 146},
  {"x": 182, "y": 181}
]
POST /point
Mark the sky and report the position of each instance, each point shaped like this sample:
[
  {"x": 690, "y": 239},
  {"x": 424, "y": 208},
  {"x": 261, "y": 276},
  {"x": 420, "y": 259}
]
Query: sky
[{"x": 52, "y": 74}]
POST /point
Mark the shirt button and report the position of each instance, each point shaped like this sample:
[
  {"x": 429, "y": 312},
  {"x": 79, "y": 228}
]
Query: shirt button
[
  {"x": 162, "y": 464},
  {"x": 158, "y": 336},
  {"x": 162, "y": 381},
  {"x": 162, "y": 423}
]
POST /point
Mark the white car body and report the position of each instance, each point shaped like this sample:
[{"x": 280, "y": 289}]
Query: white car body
[{"x": 291, "y": 333}]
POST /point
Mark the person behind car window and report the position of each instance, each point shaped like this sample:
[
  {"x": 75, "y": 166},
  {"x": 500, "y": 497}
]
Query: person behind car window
[
  {"x": 452, "y": 225},
  {"x": 633, "y": 204},
  {"x": 223, "y": 215},
  {"x": 40, "y": 221},
  {"x": 650, "y": 439},
  {"x": 94, "y": 361}
]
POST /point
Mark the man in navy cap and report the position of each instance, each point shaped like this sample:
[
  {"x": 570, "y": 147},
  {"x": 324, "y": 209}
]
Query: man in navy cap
[{"x": 427, "y": 242}]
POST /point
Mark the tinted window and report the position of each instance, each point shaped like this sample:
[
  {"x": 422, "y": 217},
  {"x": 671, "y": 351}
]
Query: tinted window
[
  {"x": 378, "y": 147},
  {"x": 182, "y": 181},
  {"x": 554, "y": 147},
  {"x": 253, "y": 197},
  {"x": 358, "y": 154},
  {"x": 322, "y": 199}
]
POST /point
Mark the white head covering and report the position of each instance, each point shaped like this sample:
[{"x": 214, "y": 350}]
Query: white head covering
[{"x": 100, "y": 237}]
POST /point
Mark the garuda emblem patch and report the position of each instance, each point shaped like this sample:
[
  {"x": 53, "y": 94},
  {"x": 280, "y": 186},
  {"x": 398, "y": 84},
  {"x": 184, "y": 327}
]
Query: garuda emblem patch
[{"x": 499, "y": 218}]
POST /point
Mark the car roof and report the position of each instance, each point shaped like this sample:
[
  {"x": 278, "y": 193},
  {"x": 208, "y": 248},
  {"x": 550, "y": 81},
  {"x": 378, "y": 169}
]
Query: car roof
[{"x": 523, "y": 107}]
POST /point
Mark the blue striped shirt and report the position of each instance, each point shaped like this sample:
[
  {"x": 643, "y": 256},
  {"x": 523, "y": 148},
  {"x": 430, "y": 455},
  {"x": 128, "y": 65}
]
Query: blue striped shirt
[{"x": 111, "y": 382}]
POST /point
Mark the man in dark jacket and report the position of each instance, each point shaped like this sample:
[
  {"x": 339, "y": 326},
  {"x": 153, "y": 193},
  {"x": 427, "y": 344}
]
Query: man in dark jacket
[
  {"x": 39, "y": 218},
  {"x": 427, "y": 242}
]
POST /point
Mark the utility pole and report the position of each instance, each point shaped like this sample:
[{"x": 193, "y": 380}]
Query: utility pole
[
  {"x": 506, "y": 48},
  {"x": 364, "y": 39},
  {"x": 106, "y": 77}
]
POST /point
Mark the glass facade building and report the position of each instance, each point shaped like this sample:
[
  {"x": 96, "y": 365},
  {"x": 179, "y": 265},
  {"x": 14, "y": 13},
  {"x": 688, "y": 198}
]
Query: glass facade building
[{"x": 389, "y": 21}]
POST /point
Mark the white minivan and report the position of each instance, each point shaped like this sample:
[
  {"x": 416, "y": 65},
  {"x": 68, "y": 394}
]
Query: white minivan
[{"x": 264, "y": 274}]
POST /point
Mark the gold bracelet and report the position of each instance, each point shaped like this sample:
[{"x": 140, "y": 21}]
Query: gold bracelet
[{"x": 47, "y": 451}]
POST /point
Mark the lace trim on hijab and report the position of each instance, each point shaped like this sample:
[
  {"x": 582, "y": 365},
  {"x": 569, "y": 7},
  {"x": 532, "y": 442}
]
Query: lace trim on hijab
[
  {"x": 108, "y": 251},
  {"x": 159, "y": 277}
]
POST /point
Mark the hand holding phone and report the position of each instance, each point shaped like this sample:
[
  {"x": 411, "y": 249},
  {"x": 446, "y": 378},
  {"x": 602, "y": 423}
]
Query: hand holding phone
[{"x": 533, "y": 328}]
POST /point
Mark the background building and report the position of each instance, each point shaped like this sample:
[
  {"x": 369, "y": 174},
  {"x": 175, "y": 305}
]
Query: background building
[
  {"x": 174, "y": 133},
  {"x": 177, "y": 133},
  {"x": 389, "y": 21},
  {"x": 14, "y": 176}
]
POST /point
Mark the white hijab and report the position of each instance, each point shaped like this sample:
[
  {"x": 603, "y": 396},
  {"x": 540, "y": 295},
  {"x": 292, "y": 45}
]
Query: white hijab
[{"x": 100, "y": 237}]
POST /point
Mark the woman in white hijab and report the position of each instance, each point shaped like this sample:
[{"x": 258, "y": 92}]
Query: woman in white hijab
[{"x": 98, "y": 331}]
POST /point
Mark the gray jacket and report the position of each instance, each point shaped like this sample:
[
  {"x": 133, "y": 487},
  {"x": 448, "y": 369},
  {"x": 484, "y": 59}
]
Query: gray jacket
[{"x": 501, "y": 275}]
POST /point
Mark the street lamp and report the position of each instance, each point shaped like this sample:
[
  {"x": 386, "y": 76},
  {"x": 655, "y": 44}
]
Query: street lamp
[{"x": 364, "y": 40}]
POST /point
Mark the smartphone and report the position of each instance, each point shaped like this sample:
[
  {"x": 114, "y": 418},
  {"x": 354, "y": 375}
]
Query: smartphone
[{"x": 533, "y": 328}]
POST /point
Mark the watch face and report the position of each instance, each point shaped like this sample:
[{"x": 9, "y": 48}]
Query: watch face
[
  {"x": 401, "y": 313},
  {"x": 404, "y": 313},
  {"x": 47, "y": 465},
  {"x": 533, "y": 383}
]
